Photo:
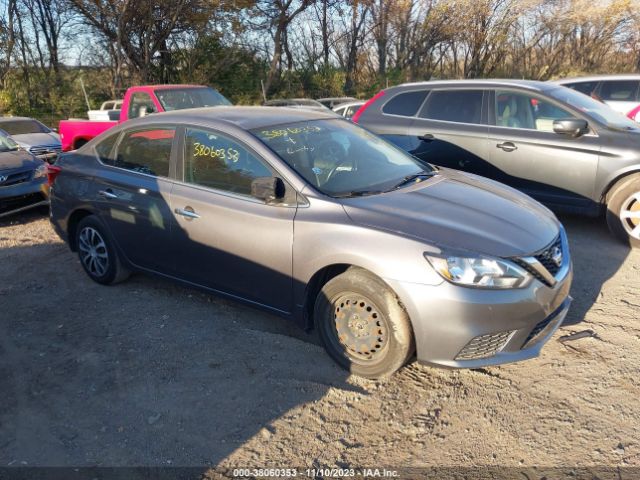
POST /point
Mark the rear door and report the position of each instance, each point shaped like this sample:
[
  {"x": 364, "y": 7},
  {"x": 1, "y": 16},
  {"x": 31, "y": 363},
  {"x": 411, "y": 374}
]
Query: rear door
[
  {"x": 132, "y": 193},
  {"x": 451, "y": 130},
  {"x": 392, "y": 116},
  {"x": 555, "y": 169},
  {"x": 225, "y": 239}
]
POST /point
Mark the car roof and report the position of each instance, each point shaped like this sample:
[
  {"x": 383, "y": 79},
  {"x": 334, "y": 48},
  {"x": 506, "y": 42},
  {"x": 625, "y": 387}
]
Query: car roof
[
  {"x": 350, "y": 104},
  {"x": 530, "y": 84},
  {"x": 326, "y": 99},
  {"x": 597, "y": 78},
  {"x": 9, "y": 118},
  {"x": 244, "y": 117}
]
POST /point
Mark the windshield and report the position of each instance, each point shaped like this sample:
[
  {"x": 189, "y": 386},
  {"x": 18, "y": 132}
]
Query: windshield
[
  {"x": 21, "y": 127},
  {"x": 6, "y": 143},
  {"x": 181, "y": 98},
  {"x": 599, "y": 111},
  {"x": 340, "y": 158}
]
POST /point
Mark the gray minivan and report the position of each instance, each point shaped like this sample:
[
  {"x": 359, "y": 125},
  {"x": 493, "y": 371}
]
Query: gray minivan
[{"x": 561, "y": 147}]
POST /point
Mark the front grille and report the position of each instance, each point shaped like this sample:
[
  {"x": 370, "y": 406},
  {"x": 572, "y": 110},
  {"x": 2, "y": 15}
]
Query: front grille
[
  {"x": 546, "y": 257},
  {"x": 9, "y": 204},
  {"x": 484, "y": 346},
  {"x": 16, "y": 178},
  {"x": 48, "y": 151}
]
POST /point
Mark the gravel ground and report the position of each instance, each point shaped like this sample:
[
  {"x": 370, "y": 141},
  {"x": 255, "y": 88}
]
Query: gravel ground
[{"x": 150, "y": 373}]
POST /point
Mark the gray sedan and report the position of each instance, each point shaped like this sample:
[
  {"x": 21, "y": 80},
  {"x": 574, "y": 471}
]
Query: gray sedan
[{"x": 314, "y": 218}]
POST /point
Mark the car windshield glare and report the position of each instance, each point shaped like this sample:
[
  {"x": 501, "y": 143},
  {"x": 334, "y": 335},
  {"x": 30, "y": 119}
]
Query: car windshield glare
[
  {"x": 182, "y": 98},
  {"x": 340, "y": 159},
  {"x": 7, "y": 144},
  {"x": 23, "y": 127},
  {"x": 601, "y": 112}
]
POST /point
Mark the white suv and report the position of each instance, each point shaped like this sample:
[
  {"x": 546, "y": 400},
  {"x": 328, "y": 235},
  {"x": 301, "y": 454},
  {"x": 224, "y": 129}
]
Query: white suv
[{"x": 620, "y": 92}]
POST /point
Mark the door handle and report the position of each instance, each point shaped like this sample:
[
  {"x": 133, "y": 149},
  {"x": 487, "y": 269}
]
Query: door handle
[
  {"x": 187, "y": 212},
  {"x": 507, "y": 146},
  {"x": 108, "y": 193},
  {"x": 427, "y": 137}
]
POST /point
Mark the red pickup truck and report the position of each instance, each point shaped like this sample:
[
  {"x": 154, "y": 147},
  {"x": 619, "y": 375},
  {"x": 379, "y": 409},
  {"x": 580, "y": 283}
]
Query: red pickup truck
[{"x": 138, "y": 102}]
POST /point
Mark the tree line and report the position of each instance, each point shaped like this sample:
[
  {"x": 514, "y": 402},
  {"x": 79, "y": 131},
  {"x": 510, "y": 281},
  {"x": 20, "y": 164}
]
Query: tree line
[{"x": 53, "y": 52}]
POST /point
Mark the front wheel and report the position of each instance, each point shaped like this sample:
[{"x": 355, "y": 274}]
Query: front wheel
[
  {"x": 623, "y": 211},
  {"x": 97, "y": 253},
  {"x": 362, "y": 324}
]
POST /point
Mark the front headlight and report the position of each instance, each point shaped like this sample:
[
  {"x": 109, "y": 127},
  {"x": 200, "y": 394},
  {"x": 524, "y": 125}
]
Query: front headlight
[
  {"x": 479, "y": 271},
  {"x": 41, "y": 171}
]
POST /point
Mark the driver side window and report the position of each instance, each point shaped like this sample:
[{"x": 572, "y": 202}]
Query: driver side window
[
  {"x": 521, "y": 110},
  {"x": 216, "y": 161}
]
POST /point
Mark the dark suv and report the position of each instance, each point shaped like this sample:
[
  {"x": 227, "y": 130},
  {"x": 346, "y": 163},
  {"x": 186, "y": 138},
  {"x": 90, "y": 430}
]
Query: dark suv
[{"x": 563, "y": 148}]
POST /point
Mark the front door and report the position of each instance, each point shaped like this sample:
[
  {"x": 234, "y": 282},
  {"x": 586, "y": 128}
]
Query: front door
[
  {"x": 225, "y": 239},
  {"x": 556, "y": 169}
]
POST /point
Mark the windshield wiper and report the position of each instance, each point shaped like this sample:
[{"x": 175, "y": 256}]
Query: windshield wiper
[
  {"x": 411, "y": 178},
  {"x": 357, "y": 193}
]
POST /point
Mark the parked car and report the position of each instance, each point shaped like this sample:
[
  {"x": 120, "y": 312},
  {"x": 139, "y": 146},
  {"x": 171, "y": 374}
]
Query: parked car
[
  {"x": 33, "y": 136},
  {"x": 306, "y": 103},
  {"x": 312, "y": 217},
  {"x": 138, "y": 102},
  {"x": 347, "y": 110},
  {"x": 620, "y": 92},
  {"x": 23, "y": 178},
  {"x": 563, "y": 148},
  {"x": 332, "y": 102}
]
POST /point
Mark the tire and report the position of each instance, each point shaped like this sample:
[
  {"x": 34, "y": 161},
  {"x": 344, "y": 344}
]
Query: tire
[
  {"x": 97, "y": 253},
  {"x": 623, "y": 211},
  {"x": 362, "y": 325}
]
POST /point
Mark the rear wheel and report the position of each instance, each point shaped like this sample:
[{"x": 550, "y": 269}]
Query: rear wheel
[
  {"x": 623, "y": 211},
  {"x": 97, "y": 253},
  {"x": 362, "y": 325}
]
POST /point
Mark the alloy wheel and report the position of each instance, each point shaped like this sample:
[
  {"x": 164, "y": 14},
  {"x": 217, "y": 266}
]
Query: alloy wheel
[
  {"x": 630, "y": 215},
  {"x": 93, "y": 251}
]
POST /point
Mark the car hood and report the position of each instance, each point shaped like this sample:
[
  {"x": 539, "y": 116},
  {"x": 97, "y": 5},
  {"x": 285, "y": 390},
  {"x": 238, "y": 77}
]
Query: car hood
[
  {"x": 460, "y": 211},
  {"x": 18, "y": 159},
  {"x": 37, "y": 139}
]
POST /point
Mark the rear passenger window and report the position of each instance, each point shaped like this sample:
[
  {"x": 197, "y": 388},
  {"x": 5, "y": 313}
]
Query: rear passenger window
[
  {"x": 405, "y": 104},
  {"x": 461, "y": 106},
  {"x": 146, "y": 151},
  {"x": 619, "y": 90},
  {"x": 587, "y": 88},
  {"x": 216, "y": 161},
  {"x": 105, "y": 149}
]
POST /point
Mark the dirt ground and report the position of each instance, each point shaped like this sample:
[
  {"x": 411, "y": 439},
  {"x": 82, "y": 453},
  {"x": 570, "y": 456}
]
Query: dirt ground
[{"x": 150, "y": 373}]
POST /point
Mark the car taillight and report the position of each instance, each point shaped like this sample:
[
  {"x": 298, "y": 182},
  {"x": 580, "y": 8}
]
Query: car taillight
[
  {"x": 356, "y": 116},
  {"x": 52, "y": 173}
]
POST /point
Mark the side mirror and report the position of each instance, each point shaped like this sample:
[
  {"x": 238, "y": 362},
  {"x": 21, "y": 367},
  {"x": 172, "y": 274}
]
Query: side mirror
[
  {"x": 573, "y": 127},
  {"x": 267, "y": 188}
]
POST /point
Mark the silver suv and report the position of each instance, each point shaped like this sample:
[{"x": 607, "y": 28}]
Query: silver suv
[
  {"x": 559, "y": 146},
  {"x": 311, "y": 217}
]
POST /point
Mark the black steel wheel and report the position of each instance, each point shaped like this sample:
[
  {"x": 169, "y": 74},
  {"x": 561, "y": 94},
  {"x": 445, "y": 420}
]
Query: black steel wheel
[{"x": 362, "y": 325}]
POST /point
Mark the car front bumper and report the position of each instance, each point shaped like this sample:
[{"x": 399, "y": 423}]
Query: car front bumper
[
  {"x": 460, "y": 327},
  {"x": 23, "y": 196}
]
